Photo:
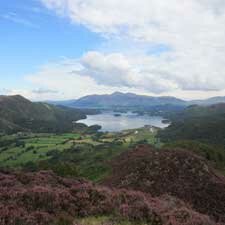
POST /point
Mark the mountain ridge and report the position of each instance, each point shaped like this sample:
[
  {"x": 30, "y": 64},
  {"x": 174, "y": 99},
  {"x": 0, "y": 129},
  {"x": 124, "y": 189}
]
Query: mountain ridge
[
  {"x": 120, "y": 99},
  {"x": 19, "y": 114}
]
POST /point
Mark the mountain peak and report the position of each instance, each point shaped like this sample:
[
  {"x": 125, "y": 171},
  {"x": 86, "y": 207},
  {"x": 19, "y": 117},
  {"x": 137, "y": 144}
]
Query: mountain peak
[
  {"x": 13, "y": 98},
  {"x": 117, "y": 93},
  {"x": 128, "y": 100}
]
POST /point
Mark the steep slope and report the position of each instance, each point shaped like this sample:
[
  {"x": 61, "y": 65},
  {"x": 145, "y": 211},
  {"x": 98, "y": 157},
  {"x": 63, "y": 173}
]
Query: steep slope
[
  {"x": 201, "y": 123},
  {"x": 179, "y": 173},
  {"x": 19, "y": 114},
  {"x": 45, "y": 199}
]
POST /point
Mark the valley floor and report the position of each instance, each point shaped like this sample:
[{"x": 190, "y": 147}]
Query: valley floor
[{"x": 38, "y": 151}]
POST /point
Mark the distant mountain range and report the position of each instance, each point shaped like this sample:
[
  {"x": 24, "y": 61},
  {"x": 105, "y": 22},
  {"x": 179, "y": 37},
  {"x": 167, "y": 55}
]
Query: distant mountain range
[
  {"x": 209, "y": 101},
  {"x": 118, "y": 99},
  {"x": 130, "y": 100},
  {"x": 19, "y": 114}
]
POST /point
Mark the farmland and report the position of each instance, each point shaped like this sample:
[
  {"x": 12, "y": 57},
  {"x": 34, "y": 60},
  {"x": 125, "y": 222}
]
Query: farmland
[{"x": 82, "y": 153}]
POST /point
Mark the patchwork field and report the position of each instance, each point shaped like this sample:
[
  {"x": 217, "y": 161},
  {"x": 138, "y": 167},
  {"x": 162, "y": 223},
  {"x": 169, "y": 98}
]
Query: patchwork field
[
  {"x": 26, "y": 149},
  {"x": 20, "y": 149}
]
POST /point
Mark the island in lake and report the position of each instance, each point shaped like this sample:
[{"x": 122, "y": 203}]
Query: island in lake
[{"x": 111, "y": 122}]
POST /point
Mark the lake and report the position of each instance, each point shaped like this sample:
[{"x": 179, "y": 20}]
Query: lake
[{"x": 114, "y": 122}]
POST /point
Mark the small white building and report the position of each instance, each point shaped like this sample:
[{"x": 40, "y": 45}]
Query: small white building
[{"x": 151, "y": 129}]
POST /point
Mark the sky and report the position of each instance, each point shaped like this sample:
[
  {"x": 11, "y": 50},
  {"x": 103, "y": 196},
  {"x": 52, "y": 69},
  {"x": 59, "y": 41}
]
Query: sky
[{"x": 65, "y": 49}]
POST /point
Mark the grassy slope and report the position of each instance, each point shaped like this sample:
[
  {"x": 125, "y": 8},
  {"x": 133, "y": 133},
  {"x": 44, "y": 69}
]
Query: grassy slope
[{"x": 20, "y": 114}]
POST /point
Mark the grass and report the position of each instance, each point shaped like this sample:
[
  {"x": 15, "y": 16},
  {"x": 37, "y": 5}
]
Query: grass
[
  {"x": 32, "y": 147},
  {"x": 91, "y": 159},
  {"x": 106, "y": 221},
  {"x": 143, "y": 134},
  {"x": 93, "y": 162},
  {"x": 88, "y": 154}
]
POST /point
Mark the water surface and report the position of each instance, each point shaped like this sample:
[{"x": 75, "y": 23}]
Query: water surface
[{"x": 112, "y": 122}]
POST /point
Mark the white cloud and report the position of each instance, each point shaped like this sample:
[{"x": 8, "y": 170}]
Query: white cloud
[
  {"x": 191, "y": 66},
  {"x": 152, "y": 20},
  {"x": 193, "y": 30},
  {"x": 119, "y": 70},
  {"x": 64, "y": 80},
  {"x": 149, "y": 73},
  {"x": 98, "y": 73}
]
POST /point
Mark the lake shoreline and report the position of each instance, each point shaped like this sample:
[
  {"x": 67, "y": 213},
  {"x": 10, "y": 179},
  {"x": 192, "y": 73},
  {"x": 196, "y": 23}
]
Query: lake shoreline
[{"x": 125, "y": 121}]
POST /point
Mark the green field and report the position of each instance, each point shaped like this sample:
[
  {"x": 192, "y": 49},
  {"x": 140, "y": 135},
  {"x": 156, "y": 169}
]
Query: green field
[
  {"x": 16, "y": 150},
  {"x": 107, "y": 220},
  {"x": 71, "y": 154}
]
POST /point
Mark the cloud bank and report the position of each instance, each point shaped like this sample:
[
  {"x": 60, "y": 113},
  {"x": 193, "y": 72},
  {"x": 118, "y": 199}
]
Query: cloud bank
[{"x": 192, "y": 32}]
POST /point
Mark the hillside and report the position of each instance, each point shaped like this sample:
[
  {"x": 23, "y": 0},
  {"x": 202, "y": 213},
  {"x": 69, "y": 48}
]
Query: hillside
[
  {"x": 181, "y": 174},
  {"x": 45, "y": 199},
  {"x": 20, "y": 114},
  {"x": 201, "y": 123},
  {"x": 134, "y": 185},
  {"x": 133, "y": 101},
  {"x": 209, "y": 101},
  {"x": 122, "y": 100}
]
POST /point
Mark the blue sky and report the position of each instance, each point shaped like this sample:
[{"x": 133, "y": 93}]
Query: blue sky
[
  {"x": 32, "y": 35},
  {"x": 63, "y": 49}
]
